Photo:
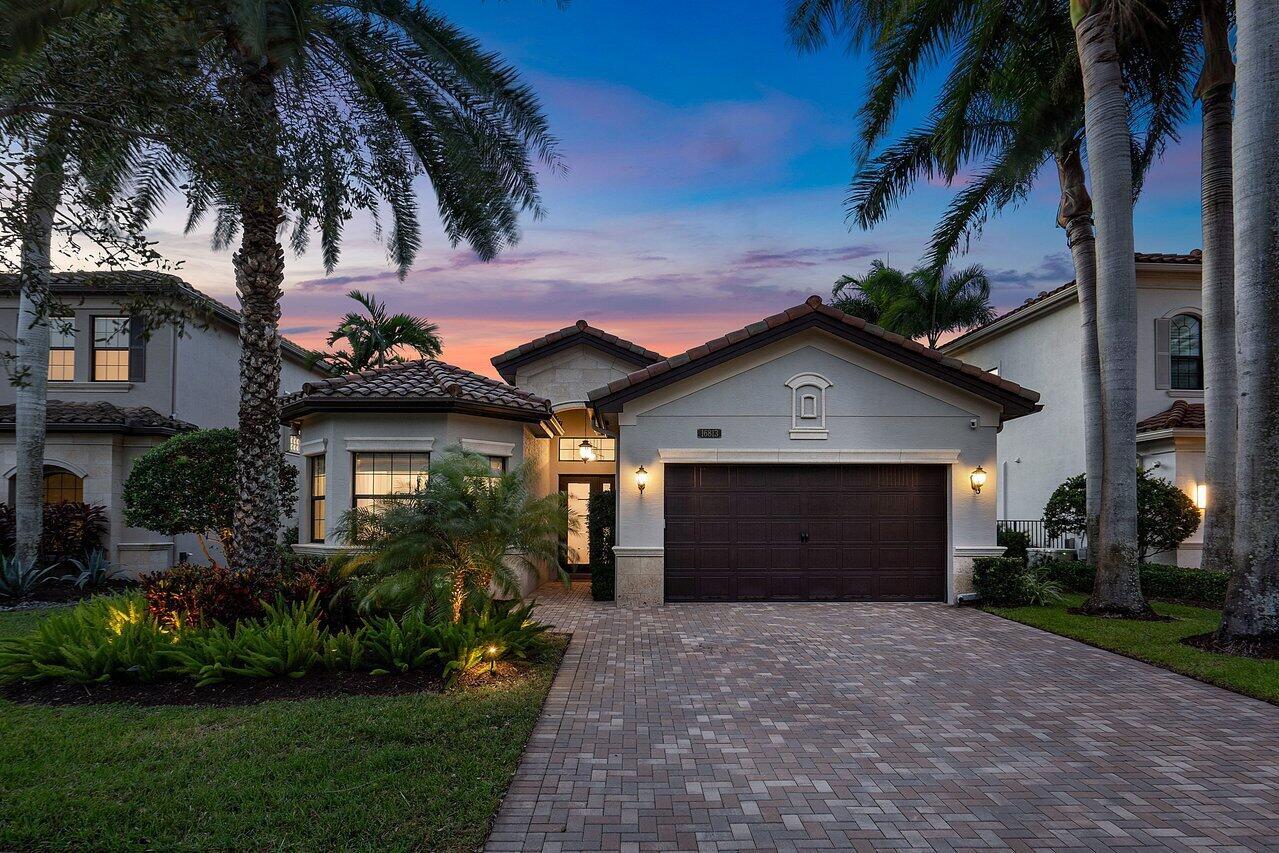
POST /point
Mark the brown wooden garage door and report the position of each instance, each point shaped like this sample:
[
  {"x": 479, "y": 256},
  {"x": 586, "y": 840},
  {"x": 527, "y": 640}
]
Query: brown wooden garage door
[{"x": 805, "y": 532}]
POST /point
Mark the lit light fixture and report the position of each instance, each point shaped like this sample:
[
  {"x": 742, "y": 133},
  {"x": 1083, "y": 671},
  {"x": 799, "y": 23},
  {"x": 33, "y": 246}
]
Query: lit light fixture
[
  {"x": 586, "y": 450},
  {"x": 492, "y": 653},
  {"x": 977, "y": 479},
  {"x": 641, "y": 478},
  {"x": 1201, "y": 495}
]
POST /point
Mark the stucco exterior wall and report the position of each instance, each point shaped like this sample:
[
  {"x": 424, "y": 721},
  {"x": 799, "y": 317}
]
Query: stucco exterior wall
[
  {"x": 876, "y": 411},
  {"x": 568, "y": 376}
]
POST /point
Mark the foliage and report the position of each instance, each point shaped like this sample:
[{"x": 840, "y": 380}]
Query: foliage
[
  {"x": 376, "y": 338},
  {"x": 95, "y": 570},
  {"x": 286, "y": 641},
  {"x": 467, "y": 529},
  {"x": 1040, "y": 589},
  {"x": 1166, "y": 516},
  {"x": 925, "y": 302},
  {"x": 398, "y": 644},
  {"x": 1201, "y": 586},
  {"x": 200, "y": 596},
  {"x": 20, "y": 577},
  {"x": 105, "y": 637},
  {"x": 1015, "y": 542},
  {"x": 1000, "y": 580},
  {"x": 183, "y": 485},
  {"x": 70, "y": 529},
  {"x": 601, "y": 512}
]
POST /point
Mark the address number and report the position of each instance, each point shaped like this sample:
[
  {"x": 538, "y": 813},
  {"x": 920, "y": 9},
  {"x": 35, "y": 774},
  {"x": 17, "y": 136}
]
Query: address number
[{"x": 709, "y": 433}]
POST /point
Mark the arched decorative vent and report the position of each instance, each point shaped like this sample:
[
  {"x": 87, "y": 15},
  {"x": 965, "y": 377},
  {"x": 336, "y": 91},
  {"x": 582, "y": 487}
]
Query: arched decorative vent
[{"x": 808, "y": 405}]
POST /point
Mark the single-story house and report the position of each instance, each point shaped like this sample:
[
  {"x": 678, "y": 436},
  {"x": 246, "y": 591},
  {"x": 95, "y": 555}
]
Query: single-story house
[{"x": 808, "y": 456}]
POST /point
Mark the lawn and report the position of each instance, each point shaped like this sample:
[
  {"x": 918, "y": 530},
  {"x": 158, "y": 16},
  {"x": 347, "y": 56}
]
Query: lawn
[
  {"x": 1158, "y": 643},
  {"x": 400, "y": 772}
]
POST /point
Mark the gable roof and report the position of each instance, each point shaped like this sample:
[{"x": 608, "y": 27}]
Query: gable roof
[
  {"x": 422, "y": 385},
  {"x": 101, "y": 417},
  {"x": 1191, "y": 258},
  {"x": 1180, "y": 415},
  {"x": 127, "y": 283},
  {"x": 814, "y": 314},
  {"x": 580, "y": 333}
]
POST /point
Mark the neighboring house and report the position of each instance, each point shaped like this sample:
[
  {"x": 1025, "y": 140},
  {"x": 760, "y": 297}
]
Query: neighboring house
[
  {"x": 809, "y": 456},
  {"x": 115, "y": 390},
  {"x": 1038, "y": 344}
]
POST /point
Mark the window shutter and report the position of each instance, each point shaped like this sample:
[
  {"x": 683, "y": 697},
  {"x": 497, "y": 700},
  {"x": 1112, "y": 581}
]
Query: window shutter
[
  {"x": 137, "y": 350},
  {"x": 1163, "y": 353}
]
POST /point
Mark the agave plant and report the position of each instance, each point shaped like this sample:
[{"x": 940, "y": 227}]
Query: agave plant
[
  {"x": 19, "y": 576},
  {"x": 95, "y": 570}
]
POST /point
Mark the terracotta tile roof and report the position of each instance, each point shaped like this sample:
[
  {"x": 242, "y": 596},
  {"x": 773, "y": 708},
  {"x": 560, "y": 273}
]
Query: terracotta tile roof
[
  {"x": 1180, "y": 415},
  {"x": 101, "y": 417},
  {"x": 810, "y": 307},
  {"x": 1191, "y": 258},
  {"x": 422, "y": 381},
  {"x": 579, "y": 332}
]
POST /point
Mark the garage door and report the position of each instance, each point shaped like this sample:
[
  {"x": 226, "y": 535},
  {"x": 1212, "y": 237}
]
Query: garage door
[{"x": 805, "y": 532}]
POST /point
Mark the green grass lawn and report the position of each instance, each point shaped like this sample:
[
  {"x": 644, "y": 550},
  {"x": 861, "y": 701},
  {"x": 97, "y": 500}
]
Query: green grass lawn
[
  {"x": 1158, "y": 643},
  {"x": 400, "y": 772}
]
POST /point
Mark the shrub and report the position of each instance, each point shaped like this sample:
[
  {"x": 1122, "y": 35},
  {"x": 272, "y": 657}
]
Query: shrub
[
  {"x": 1016, "y": 543},
  {"x": 1000, "y": 580},
  {"x": 286, "y": 641},
  {"x": 601, "y": 513},
  {"x": 1157, "y": 581},
  {"x": 70, "y": 529},
  {"x": 95, "y": 570},
  {"x": 1040, "y": 588},
  {"x": 398, "y": 644},
  {"x": 1166, "y": 516},
  {"x": 1073, "y": 575},
  {"x": 19, "y": 578},
  {"x": 200, "y": 596}
]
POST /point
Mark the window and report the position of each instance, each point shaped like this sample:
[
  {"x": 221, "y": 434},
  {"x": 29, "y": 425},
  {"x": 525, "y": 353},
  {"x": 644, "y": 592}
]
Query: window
[
  {"x": 808, "y": 405},
  {"x": 605, "y": 449},
  {"x": 295, "y": 442},
  {"x": 110, "y": 349},
  {"x": 60, "y": 486},
  {"x": 382, "y": 477},
  {"x": 319, "y": 485},
  {"x": 61, "y": 349},
  {"x": 1187, "y": 353},
  {"x": 497, "y": 465}
]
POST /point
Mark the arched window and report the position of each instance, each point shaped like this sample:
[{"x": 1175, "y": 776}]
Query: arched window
[
  {"x": 1186, "y": 350},
  {"x": 60, "y": 486}
]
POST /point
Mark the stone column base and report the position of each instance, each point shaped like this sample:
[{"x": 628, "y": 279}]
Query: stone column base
[
  {"x": 961, "y": 574},
  {"x": 640, "y": 578}
]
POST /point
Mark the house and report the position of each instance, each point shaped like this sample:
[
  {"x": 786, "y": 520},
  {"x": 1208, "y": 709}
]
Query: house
[
  {"x": 809, "y": 456},
  {"x": 116, "y": 390},
  {"x": 1038, "y": 344}
]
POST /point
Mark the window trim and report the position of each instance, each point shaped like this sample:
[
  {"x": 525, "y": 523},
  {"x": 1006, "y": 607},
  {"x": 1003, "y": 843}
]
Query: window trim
[
  {"x": 355, "y": 454},
  {"x": 321, "y": 498},
  {"x": 1173, "y": 357},
  {"x": 71, "y": 349},
  {"x": 94, "y": 348}
]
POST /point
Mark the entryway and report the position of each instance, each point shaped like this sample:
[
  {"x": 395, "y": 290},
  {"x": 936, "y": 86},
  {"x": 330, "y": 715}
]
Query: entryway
[{"x": 580, "y": 488}]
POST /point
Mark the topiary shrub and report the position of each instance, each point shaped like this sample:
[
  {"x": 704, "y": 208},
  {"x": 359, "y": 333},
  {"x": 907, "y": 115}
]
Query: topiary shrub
[
  {"x": 1001, "y": 581},
  {"x": 601, "y": 512},
  {"x": 1015, "y": 542},
  {"x": 1166, "y": 516}
]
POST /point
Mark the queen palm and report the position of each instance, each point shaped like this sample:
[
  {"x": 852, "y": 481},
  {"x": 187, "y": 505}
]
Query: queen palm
[
  {"x": 376, "y": 337},
  {"x": 923, "y": 303}
]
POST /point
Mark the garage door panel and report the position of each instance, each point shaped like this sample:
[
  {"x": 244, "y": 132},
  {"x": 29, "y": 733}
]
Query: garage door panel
[
  {"x": 893, "y": 505},
  {"x": 714, "y": 477},
  {"x": 751, "y": 504},
  {"x": 822, "y": 505},
  {"x": 681, "y": 532},
  {"x": 714, "y": 504},
  {"x": 893, "y": 530}
]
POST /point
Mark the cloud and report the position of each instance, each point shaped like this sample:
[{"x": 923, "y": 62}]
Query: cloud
[
  {"x": 1056, "y": 268},
  {"x": 804, "y": 257}
]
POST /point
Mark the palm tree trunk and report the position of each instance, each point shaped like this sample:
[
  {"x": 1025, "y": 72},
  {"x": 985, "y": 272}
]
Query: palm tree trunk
[
  {"x": 1075, "y": 215},
  {"x": 259, "y": 272},
  {"x": 1252, "y": 599},
  {"x": 32, "y": 369},
  {"x": 1117, "y": 589},
  {"x": 1220, "y": 383}
]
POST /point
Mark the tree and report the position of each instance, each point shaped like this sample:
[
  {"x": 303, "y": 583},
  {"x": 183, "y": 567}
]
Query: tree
[
  {"x": 181, "y": 486},
  {"x": 375, "y": 337},
  {"x": 1252, "y": 599},
  {"x": 925, "y": 302},
  {"x": 467, "y": 529},
  {"x": 1166, "y": 516}
]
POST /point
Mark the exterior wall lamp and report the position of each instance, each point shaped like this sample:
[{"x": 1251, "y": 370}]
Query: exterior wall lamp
[
  {"x": 641, "y": 478},
  {"x": 1201, "y": 495},
  {"x": 977, "y": 479},
  {"x": 586, "y": 450}
]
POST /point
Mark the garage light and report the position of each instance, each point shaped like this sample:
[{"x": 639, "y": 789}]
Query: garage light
[
  {"x": 1201, "y": 495},
  {"x": 977, "y": 479},
  {"x": 641, "y": 478},
  {"x": 586, "y": 450}
]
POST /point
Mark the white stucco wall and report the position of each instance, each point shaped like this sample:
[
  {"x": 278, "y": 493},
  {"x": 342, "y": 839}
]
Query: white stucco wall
[
  {"x": 568, "y": 376},
  {"x": 877, "y": 410}
]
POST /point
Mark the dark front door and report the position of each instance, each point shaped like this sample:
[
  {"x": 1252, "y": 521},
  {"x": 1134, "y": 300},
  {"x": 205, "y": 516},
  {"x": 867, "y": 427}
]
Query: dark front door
[
  {"x": 580, "y": 488},
  {"x": 805, "y": 532}
]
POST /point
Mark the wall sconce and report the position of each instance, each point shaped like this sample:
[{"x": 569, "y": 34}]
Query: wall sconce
[
  {"x": 977, "y": 479},
  {"x": 641, "y": 478},
  {"x": 586, "y": 450},
  {"x": 1201, "y": 495}
]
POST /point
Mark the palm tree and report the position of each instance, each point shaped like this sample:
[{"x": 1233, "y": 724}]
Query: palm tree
[
  {"x": 375, "y": 337},
  {"x": 926, "y": 302},
  {"x": 464, "y": 531},
  {"x": 1252, "y": 599}
]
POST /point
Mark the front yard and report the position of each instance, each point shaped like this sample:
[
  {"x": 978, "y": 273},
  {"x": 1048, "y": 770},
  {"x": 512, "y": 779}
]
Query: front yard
[
  {"x": 1158, "y": 643},
  {"x": 417, "y": 771}
]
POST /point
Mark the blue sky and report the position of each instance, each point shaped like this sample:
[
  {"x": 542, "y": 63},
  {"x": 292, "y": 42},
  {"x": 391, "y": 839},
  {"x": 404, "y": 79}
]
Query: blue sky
[{"x": 707, "y": 165}]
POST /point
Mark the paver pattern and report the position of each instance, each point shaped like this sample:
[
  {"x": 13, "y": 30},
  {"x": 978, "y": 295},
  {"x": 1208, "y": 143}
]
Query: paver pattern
[{"x": 873, "y": 726}]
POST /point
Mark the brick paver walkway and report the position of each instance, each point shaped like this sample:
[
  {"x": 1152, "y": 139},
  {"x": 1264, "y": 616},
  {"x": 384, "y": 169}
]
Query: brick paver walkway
[{"x": 811, "y": 726}]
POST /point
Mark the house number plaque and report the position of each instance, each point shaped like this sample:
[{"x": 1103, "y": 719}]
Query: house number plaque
[{"x": 709, "y": 433}]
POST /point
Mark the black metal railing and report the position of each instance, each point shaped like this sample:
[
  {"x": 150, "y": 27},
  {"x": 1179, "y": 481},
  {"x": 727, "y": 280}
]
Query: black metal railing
[{"x": 1038, "y": 532}]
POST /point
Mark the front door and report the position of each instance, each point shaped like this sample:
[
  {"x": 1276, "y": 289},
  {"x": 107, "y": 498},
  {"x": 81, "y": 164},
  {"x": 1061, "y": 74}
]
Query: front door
[{"x": 577, "y": 543}]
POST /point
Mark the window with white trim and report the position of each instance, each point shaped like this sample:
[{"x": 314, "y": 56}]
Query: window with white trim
[
  {"x": 1185, "y": 348},
  {"x": 808, "y": 405},
  {"x": 384, "y": 477},
  {"x": 61, "y": 349},
  {"x": 110, "y": 349}
]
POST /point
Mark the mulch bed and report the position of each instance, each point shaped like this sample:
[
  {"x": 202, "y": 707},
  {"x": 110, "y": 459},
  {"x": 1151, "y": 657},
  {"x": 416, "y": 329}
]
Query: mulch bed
[
  {"x": 64, "y": 592},
  {"x": 1210, "y": 642}
]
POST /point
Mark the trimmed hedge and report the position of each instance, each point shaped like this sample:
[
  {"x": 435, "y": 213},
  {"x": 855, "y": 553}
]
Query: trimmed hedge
[
  {"x": 1157, "y": 581},
  {"x": 1000, "y": 580},
  {"x": 1016, "y": 543},
  {"x": 601, "y": 513}
]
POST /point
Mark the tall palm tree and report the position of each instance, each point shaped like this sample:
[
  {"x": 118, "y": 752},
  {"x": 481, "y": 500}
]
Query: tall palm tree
[
  {"x": 375, "y": 337},
  {"x": 924, "y": 303},
  {"x": 1252, "y": 599}
]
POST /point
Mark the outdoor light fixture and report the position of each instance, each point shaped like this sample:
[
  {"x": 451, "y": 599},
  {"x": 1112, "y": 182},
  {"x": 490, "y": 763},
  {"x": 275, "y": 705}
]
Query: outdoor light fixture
[
  {"x": 492, "y": 650},
  {"x": 586, "y": 450},
  {"x": 977, "y": 479},
  {"x": 641, "y": 478},
  {"x": 1201, "y": 495}
]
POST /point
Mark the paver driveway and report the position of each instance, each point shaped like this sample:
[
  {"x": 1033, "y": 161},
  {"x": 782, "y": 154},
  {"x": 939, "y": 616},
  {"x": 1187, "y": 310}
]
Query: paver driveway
[{"x": 802, "y": 726}]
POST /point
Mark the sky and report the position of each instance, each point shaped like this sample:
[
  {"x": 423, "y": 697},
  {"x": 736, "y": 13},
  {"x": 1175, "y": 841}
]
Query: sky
[{"x": 707, "y": 164}]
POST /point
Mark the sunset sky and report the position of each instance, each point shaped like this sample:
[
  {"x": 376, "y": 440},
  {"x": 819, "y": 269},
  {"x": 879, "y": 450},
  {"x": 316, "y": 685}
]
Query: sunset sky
[{"x": 707, "y": 165}]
